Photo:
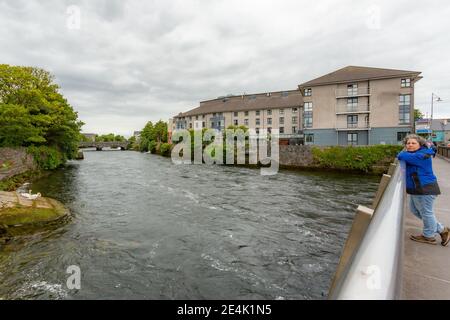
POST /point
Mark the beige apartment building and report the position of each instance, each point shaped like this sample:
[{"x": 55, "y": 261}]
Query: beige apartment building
[{"x": 350, "y": 106}]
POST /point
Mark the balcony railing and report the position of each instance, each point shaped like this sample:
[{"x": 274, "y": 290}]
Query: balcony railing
[
  {"x": 353, "y": 126},
  {"x": 354, "y": 92},
  {"x": 360, "y": 108}
]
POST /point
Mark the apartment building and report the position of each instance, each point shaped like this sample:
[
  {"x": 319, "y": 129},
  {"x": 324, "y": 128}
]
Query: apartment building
[
  {"x": 270, "y": 110},
  {"x": 350, "y": 106},
  {"x": 359, "y": 106}
]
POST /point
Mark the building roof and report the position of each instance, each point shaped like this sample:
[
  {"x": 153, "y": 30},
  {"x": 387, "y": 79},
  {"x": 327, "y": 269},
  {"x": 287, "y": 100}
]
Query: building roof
[
  {"x": 355, "y": 73},
  {"x": 260, "y": 101},
  {"x": 437, "y": 124}
]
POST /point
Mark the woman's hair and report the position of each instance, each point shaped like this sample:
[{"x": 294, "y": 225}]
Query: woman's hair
[{"x": 419, "y": 139}]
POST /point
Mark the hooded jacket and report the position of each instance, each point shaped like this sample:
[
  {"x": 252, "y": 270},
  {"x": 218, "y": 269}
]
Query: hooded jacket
[{"x": 420, "y": 178}]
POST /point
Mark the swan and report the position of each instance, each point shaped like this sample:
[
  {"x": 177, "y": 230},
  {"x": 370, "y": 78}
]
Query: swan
[{"x": 31, "y": 196}]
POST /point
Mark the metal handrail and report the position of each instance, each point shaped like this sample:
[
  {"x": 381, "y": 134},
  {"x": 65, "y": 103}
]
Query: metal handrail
[
  {"x": 374, "y": 271},
  {"x": 444, "y": 151}
]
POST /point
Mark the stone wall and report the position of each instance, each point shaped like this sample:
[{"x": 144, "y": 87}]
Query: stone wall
[
  {"x": 296, "y": 156},
  {"x": 14, "y": 161}
]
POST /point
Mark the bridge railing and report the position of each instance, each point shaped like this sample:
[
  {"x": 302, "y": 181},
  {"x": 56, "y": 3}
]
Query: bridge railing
[
  {"x": 444, "y": 151},
  {"x": 371, "y": 263}
]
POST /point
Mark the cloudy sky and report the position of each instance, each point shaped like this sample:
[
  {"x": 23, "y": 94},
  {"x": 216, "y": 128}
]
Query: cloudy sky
[{"x": 121, "y": 63}]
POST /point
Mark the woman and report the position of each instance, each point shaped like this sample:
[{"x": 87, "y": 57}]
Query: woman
[{"x": 422, "y": 187}]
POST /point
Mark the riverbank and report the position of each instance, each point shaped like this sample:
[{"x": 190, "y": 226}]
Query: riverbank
[
  {"x": 18, "y": 211},
  {"x": 371, "y": 160}
]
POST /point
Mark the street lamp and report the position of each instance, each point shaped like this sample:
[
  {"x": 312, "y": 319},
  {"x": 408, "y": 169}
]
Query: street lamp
[{"x": 434, "y": 97}]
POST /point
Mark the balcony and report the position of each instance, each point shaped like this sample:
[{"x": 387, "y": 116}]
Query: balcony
[
  {"x": 353, "y": 92},
  {"x": 353, "y": 109},
  {"x": 353, "y": 126}
]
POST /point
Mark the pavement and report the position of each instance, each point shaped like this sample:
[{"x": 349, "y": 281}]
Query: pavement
[{"x": 426, "y": 268}]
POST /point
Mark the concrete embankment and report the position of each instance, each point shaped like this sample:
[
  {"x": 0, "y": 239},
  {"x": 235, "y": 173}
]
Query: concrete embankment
[{"x": 373, "y": 159}]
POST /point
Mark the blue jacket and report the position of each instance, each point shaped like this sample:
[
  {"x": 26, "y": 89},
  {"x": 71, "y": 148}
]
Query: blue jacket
[{"x": 420, "y": 178}]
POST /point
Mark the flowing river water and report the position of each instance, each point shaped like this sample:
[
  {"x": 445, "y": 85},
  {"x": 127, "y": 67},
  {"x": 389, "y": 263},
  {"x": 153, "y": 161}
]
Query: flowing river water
[{"x": 144, "y": 228}]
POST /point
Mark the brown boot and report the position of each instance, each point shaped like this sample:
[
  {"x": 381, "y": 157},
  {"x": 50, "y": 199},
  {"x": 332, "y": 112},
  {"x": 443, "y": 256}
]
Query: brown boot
[
  {"x": 445, "y": 236},
  {"x": 423, "y": 239}
]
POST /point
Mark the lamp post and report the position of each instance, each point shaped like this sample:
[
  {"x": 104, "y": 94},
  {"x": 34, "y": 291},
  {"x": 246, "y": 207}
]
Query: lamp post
[{"x": 438, "y": 99}]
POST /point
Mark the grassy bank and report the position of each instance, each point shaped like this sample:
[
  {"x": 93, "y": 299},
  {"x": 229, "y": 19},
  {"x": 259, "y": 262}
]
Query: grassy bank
[{"x": 367, "y": 159}]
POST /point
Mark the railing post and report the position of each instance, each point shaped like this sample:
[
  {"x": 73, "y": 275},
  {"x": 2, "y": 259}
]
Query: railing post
[
  {"x": 360, "y": 223},
  {"x": 381, "y": 188}
]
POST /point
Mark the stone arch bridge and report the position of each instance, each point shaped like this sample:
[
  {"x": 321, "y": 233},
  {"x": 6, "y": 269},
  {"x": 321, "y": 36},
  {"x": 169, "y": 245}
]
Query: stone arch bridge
[{"x": 100, "y": 145}]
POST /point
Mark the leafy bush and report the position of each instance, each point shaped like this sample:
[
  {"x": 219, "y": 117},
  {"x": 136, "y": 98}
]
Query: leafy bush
[
  {"x": 47, "y": 158},
  {"x": 152, "y": 146},
  {"x": 165, "y": 149},
  {"x": 360, "y": 158}
]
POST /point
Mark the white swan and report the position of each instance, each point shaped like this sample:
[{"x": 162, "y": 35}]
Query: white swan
[{"x": 31, "y": 196}]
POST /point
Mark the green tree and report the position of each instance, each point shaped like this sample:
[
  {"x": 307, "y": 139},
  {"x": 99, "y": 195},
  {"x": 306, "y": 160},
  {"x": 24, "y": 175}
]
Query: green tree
[
  {"x": 160, "y": 132},
  {"x": 33, "y": 112},
  {"x": 418, "y": 114}
]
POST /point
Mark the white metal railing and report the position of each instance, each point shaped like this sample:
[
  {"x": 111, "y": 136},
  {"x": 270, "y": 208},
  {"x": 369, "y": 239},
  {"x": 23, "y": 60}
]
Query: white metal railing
[
  {"x": 374, "y": 271},
  {"x": 360, "y": 107},
  {"x": 353, "y": 92}
]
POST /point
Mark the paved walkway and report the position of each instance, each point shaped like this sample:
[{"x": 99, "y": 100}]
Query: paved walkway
[{"x": 426, "y": 268}]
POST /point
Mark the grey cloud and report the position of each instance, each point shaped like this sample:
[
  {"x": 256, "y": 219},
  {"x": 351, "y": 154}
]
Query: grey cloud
[{"x": 134, "y": 61}]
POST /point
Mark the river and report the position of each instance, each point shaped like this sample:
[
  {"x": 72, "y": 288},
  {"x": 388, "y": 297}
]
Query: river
[{"x": 144, "y": 228}]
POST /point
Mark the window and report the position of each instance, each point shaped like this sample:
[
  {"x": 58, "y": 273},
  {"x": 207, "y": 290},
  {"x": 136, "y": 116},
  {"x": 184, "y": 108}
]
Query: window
[
  {"x": 401, "y": 136},
  {"x": 203, "y": 124},
  {"x": 269, "y": 130},
  {"x": 190, "y": 118},
  {"x": 309, "y": 138},
  {"x": 214, "y": 114},
  {"x": 196, "y": 117},
  {"x": 246, "y": 113},
  {"x": 308, "y": 92},
  {"x": 405, "y": 109},
  {"x": 252, "y": 97},
  {"x": 284, "y": 94},
  {"x": 352, "y": 139},
  {"x": 352, "y": 90},
  {"x": 269, "y": 120},
  {"x": 236, "y": 114},
  {"x": 281, "y": 111},
  {"x": 235, "y": 121},
  {"x": 213, "y": 124},
  {"x": 308, "y": 115},
  {"x": 406, "y": 83},
  {"x": 281, "y": 120},
  {"x": 246, "y": 122},
  {"x": 294, "y": 129},
  {"x": 190, "y": 125},
  {"x": 258, "y": 122},
  {"x": 257, "y": 112},
  {"x": 220, "y": 114},
  {"x": 269, "y": 112},
  {"x": 281, "y": 129},
  {"x": 294, "y": 120},
  {"x": 352, "y": 121},
  {"x": 294, "y": 109},
  {"x": 257, "y": 130},
  {"x": 352, "y": 104}
]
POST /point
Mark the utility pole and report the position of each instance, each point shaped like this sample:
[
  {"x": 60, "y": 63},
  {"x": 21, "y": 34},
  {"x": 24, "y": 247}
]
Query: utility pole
[{"x": 438, "y": 99}]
